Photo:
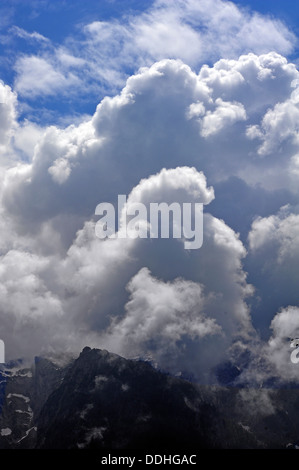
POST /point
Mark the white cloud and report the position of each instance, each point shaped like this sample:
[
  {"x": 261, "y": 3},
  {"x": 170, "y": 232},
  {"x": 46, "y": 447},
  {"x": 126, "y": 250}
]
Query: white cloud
[
  {"x": 157, "y": 121},
  {"x": 22, "y": 33},
  {"x": 273, "y": 260},
  {"x": 37, "y": 76},
  {"x": 60, "y": 170},
  {"x": 281, "y": 232},
  {"x": 225, "y": 114},
  {"x": 285, "y": 325},
  {"x": 258, "y": 82},
  {"x": 191, "y": 31},
  {"x": 170, "y": 318},
  {"x": 84, "y": 289},
  {"x": 161, "y": 318},
  {"x": 263, "y": 230},
  {"x": 8, "y": 115},
  {"x": 165, "y": 137},
  {"x": 24, "y": 299},
  {"x": 278, "y": 125},
  {"x": 213, "y": 28},
  {"x": 173, "y": 181},
  {"x": 26, "y": 137}
]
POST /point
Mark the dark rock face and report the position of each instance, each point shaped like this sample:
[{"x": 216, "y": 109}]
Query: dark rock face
[
  {"x": 101, "y": 400},
  {"x": 23, "y": 392},
  {"x": 106, "y": 401},
  {"x": 16, "y": 421}
]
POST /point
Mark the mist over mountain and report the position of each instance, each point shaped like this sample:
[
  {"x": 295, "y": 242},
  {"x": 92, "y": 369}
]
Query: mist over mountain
[{"x": 100, "y": 400}]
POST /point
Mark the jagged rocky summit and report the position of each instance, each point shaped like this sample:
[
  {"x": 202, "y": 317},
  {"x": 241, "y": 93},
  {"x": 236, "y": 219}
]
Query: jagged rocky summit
[{"x": 101, "y": 400}]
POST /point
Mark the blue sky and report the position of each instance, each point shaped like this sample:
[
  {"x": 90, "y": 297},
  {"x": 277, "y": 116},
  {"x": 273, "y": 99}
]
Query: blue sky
[
  {"x": 287, "y": 10},
  {"x": 61, "y": 24},
  {"x": 55, "y": 20},
  {"x": 165, "y": 100}
]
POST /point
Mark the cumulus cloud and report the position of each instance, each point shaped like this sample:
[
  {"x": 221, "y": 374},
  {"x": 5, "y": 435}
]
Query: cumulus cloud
[
  {"x": 160, "y": 320},
  {"x": 284, "y": 326},
  {"x": 222, "y": 295},
  {"x": 173, "y": 181},
  {"x": 8, "y": 100},
  {"x": 278, "y": 125},
  {"x": 192, "y": 31},
  {"x": 273, "y": 255},
  {"x": 24, "y": 298},
  {"x": 25, "y": 137},
  {"x": 170, "y": 135},
  {"x": 101, "y": 287},
  {"x": 165, "y": 115},
  {"x": 169, "y": 328},
  {"x": 226, "y": 113},
  {"x": 278, "y": 234},
  {"x": 273, "y": 361}
]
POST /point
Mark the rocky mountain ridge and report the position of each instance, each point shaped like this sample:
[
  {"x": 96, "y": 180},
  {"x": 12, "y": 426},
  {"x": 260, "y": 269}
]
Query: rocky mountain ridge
[{"x": 104, "y": 401}]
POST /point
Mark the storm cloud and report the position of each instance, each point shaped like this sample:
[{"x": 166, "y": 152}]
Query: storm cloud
[{"x": 222, "y": 134}]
